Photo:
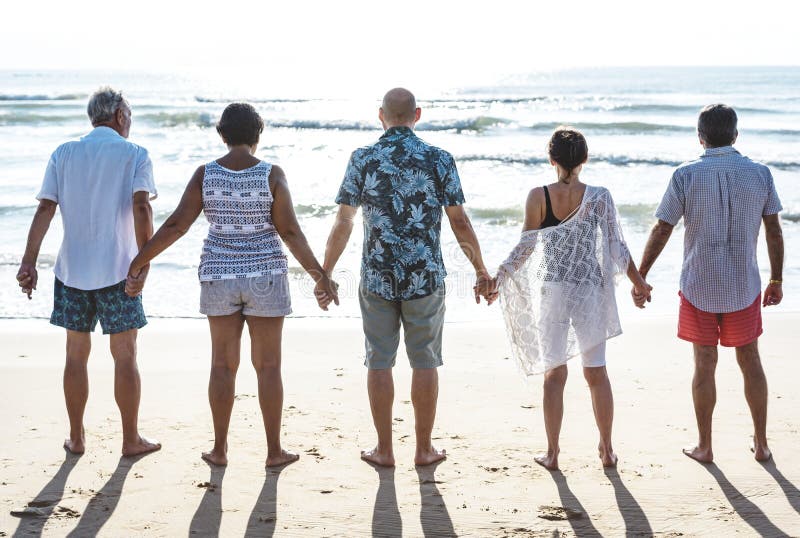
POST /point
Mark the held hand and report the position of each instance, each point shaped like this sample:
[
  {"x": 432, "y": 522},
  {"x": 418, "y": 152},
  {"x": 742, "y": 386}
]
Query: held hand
[
  {"x": 773, "y": 294},
  {"x": 134, "y": 283},
  {"x": 27, "y": 277},
  {"x": 326, "y": 292},
  {"x": 486, "y": 287},
  {"x": 641, "y": 295}
]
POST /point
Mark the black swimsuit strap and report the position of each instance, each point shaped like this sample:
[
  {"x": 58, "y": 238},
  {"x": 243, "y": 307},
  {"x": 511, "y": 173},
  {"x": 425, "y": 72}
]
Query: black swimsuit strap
[{"x": 549, "y": 217}]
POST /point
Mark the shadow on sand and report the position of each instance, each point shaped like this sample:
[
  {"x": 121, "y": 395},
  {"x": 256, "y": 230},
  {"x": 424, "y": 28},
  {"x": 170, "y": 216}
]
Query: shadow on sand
[
  {"x": 208, "y": 517},
  {"x": 386, "y": 521},
  {"x": 636, "y": 523},
  {"x": 747, "y": 510},
  {"x": 43, "y": 505},
  {"x": 264, "y": 516},
  {"x": 582, "y": 523},
  {"x": 103, "y": 503},
  {"x": 789, "y": 489},
  {"x": 433, "y": 513}
]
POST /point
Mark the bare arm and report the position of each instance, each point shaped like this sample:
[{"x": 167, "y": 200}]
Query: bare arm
[
  {"x": 27, "y": 276},
  {"x": 142, "y": 218},
  {"x": 176, "y": 225},
  {"x": 655, "y": 244},
  {"x": 773, "y": 294},
  {"x": 468, "y": 241},
  {"x": 339, "y": 236},
  {"x": 285, "y": 221}
]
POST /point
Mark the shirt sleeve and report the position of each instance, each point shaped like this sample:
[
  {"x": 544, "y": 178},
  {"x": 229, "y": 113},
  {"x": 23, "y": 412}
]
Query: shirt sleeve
[
  {"x": 350, "y": 191},
  {"x": 49, "y": 190},
  {"x": 451, "y": 184},
  {"x": 143, "y": 175},
  {"x": 673, "y": 204},
  {"x": 773, "y": 204}
]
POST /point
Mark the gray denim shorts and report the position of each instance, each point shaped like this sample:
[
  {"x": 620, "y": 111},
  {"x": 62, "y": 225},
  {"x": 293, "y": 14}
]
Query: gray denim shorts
[
  {"x": 422, "y": 320},
  {"x": 262, "y": 296}
]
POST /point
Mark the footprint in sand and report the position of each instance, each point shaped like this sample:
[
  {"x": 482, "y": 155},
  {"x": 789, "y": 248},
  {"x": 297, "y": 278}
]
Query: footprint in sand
[{"x": 558, "y": 513}]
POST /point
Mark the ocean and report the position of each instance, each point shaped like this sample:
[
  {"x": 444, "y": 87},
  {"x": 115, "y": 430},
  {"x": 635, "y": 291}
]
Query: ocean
[{"x": 639, "y": 123}]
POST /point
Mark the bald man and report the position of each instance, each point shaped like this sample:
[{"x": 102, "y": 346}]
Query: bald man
[{"x": 402, "y": 183}]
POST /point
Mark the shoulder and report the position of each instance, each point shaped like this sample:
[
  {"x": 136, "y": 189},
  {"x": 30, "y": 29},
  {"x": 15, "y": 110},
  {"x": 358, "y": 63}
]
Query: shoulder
[
  {"x": 535, "y": 197},
  {"x": 65, "y": 148},
  {"x": 276, "y": 172},
  {"x": 757, "y": 166}
]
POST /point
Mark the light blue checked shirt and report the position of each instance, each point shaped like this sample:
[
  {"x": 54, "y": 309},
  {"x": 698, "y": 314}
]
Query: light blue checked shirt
[{"x": 722, "y": 197}]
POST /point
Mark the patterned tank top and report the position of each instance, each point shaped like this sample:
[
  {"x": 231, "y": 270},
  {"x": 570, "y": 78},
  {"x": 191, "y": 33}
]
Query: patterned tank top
[{"x": 242, "y": 242}]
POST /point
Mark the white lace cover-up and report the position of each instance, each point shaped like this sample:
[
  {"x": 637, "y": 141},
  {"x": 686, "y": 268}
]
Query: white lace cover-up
[{"x": 557, "y": 287}]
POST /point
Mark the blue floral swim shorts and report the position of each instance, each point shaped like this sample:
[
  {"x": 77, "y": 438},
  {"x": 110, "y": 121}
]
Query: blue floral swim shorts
[{"x": 80, "y": 310}]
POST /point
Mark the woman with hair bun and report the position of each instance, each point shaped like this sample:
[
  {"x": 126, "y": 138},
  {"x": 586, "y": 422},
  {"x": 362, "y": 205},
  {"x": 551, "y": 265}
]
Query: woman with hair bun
[{"x": 557, "y": 289}]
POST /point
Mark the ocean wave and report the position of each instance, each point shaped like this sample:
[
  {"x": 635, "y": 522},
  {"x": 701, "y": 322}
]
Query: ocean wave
[
  {"x": 42, "y": 97},
  {"x": 201, "y": 99},
  {"x": 790, "y": 217},
  {"x": 26, "y": 118},
  {"x": 479, "y": 123},
  {"x": 179, "y": 119},
  {"x": 615, "y": 160},
  {"x": 15, "y": 209}
]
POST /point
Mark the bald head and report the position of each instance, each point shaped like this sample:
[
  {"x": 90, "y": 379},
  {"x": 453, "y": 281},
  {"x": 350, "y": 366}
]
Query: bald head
[{"x": 399, "y": 107}]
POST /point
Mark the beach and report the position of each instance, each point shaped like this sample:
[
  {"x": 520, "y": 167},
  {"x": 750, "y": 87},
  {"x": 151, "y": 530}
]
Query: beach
[{"x": 489, "y": 421}]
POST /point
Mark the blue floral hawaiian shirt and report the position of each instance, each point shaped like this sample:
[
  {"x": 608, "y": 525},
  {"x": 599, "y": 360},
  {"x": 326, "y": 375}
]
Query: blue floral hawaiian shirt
[{"x": 402, "y": 182}]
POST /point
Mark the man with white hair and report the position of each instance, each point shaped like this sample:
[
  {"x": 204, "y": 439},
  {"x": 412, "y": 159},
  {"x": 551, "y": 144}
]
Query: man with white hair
[{"x": 103, "y": 185}]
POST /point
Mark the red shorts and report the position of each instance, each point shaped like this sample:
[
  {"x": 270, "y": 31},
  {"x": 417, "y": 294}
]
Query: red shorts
[{"x": 732, "y": 329}]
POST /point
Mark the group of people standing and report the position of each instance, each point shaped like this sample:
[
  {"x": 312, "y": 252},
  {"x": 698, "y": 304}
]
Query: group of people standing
[{"x": 556, "y": 287}]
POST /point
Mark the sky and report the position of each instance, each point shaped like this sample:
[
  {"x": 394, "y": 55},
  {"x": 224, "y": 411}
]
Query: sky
[{"x": 360, "y": 41}]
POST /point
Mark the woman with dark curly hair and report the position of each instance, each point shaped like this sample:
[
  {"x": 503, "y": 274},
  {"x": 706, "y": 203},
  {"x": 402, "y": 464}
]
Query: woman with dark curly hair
[{"x": 243, "y": 270}]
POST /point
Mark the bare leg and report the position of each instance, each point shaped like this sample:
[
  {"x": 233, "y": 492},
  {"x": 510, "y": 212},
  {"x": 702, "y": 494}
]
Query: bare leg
[
  {"x": 226, "y": 339},
  {"x": 265, "y": 336},
  {"x": 755, "y": 390},
  {"x": 704, "y": 394},
  {"x": 380, "y": 387},
  {"x": 603, "y": 405},
  {"x": 127, "y": 392},
  {"x": 424, "y": 394},
  {"x": 553, "y": 407},
  {"x": 76, "y": 387}
]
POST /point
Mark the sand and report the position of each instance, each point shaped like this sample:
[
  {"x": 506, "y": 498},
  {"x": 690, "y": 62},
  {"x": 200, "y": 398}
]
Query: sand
[{"x": 489, "y": 421}]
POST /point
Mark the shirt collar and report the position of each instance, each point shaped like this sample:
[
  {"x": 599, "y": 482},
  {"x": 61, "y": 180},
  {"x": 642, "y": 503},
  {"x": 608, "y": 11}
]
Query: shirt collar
[
  {"x": 398, "y": 132},
  {"x": 102, "y": 130},
  {"x": 723, "y": 150}
]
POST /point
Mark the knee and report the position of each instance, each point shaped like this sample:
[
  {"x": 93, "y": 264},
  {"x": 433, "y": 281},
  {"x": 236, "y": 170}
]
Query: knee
[
  {"x": 268, "y": 364},
  {"x": 224, "y": 366},
  {"x": 556, "y": 377},
  {"x": 596, "y": 376}
]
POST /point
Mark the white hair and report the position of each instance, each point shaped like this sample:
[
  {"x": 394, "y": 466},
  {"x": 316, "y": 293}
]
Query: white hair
[{"x": 103, "y": 104}]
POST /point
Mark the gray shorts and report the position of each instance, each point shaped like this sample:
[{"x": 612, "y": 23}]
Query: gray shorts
[
  {"x": 262, "y": 296},
  {"x": 422, "y": 321}
]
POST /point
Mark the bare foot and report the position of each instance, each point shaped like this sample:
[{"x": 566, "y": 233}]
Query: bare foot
[
  {"x": 703, "y": 455},
  {"x": 215, "y": 458},
  {"x": 608, "y": 457},
  {"x": 143, "y": 446},
  {"x": 384, "y": 459},
  {"x": 284, "y": 458},
  {"x": 74, "y": 447},
  {"x": 761, "y": 453},
  {"x": 548, "y": 460},
  {"x": 426, "y": 457}
]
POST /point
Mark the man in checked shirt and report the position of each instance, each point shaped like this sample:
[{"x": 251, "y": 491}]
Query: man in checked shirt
[{"x": 722, "y": 197}]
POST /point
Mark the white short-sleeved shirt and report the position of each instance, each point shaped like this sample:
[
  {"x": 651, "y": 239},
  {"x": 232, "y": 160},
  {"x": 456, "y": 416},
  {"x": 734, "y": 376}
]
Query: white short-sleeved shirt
[
  {"x": 93, "y": 181},
  {"x": 722, "y": 198}
]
